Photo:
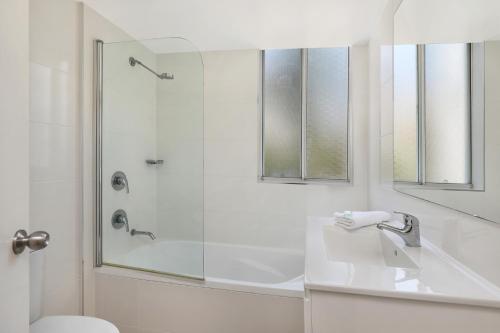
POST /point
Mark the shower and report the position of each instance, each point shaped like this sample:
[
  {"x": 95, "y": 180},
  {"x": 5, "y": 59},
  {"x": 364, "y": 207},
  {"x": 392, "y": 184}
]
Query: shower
[
  {"x": 141, "y": 121},
  {"x": 162, "y": 76}
]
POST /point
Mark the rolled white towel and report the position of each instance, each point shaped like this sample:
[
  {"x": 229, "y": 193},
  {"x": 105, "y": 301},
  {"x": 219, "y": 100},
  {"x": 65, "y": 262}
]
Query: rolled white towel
[{"x": 355, "y": 220}]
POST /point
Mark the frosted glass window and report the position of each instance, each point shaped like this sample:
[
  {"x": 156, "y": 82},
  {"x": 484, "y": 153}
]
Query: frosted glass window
[
  {"x": 447, "y": 114},
  {"x": 405, "y": 113},
  {"x": 327, "y": 113},
  {"x": 305, "y": 122},
  {"x": 282, "y": 101},
  {"x": 433, "y": 113}
]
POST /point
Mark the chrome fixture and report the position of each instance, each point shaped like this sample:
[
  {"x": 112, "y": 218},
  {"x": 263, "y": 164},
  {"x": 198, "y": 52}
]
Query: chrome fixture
[
  {"x": 119, "y": 181},
  {"x": 410, "y": 232},
  {"x": 162, "y": 76},
  {"x": 154, "y": 162},
  {"x": 120, "y": 219},
  {"x": 134, "y": 232},
  {"x": 98, "y": 101},
  {"x": 35, "y": 241}
]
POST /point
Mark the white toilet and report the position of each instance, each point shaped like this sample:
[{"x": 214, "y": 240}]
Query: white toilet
[{"x": 57, "y": 324}]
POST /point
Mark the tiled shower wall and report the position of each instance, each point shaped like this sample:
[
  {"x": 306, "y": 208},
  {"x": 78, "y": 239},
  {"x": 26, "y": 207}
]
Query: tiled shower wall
[
  {"x": 238, "y": 208},
  {"x": 179, "y": 129},
  {"x": 129, "y": 138}
]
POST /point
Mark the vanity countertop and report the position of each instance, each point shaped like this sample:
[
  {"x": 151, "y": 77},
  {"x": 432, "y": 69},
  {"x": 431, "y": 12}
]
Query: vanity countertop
[{"x": 372, "y": 262}]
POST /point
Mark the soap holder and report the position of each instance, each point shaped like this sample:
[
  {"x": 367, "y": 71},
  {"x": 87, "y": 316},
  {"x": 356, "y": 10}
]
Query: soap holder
[{"x": 154, "y": 162}]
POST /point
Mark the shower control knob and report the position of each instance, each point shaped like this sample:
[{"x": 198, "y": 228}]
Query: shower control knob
[
  {"x": 120, "y": 220},
  {"x": 35, "y": 241},
  {"x": 119, "y": 181}
]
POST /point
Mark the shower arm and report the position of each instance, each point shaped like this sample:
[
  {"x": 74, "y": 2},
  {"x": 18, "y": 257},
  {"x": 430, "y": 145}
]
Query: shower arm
[{"x": 162, "y": 76}]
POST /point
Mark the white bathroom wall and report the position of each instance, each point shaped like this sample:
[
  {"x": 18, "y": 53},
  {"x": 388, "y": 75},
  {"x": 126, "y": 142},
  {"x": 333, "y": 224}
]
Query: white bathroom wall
[
  {"x": 238, "y": 208},
  {"x": 54, "y": 130},
  {"x": 472, "y": 241}
]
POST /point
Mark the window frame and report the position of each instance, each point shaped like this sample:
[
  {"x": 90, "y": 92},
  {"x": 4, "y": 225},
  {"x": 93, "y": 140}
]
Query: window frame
[
  {"x": 476, "y": 124},
  {"x": 303, "y": 180}
]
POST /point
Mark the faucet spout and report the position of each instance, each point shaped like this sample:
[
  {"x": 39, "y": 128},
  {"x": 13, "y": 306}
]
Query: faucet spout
[
  {"x": 410, "y": 232},
  {"x": 134, "y": 232}
]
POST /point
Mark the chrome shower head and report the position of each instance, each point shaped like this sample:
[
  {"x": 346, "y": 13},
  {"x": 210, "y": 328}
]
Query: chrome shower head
[
  {"x": 162, "y": 76},
  {"x": 166, "y": 76}
]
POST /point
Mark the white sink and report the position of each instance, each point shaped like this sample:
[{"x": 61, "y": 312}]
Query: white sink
[
  {"x": 373, "y": 262},
  {"x": 368, "y": 246}
]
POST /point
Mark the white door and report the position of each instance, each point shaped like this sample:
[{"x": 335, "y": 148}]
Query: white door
[{"x": 14, "y": 163}]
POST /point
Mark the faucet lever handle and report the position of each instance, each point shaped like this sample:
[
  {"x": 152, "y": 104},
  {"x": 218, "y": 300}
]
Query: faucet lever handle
[
  {"x": 125, "y": 181},
  {"x": 120, "y": 219},
  {"x": 119, "y": 181},
  {"x": 408, "y": 218}
]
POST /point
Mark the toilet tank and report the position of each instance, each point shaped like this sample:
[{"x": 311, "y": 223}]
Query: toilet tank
[{"x": 37, "y": 260}]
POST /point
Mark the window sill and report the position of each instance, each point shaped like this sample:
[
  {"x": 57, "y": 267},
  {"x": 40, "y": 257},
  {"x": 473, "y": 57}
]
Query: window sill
[
  {"x": 436, "y": 186},
  {"x": 306, "y": 181}
]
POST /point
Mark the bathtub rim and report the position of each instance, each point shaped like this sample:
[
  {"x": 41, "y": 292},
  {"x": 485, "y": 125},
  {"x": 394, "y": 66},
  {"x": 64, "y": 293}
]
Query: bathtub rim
[{"x": 285, "y": 289}]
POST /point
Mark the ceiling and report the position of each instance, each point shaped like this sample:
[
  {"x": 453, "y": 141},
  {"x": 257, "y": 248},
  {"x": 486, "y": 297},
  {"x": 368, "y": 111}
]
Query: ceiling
[
  {"x": 246, "y": 24},
  {"x": 421, "y": 21}
]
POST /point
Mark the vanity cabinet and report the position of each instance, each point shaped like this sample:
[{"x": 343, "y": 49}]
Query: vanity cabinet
[{"x": 334, "y": 312}]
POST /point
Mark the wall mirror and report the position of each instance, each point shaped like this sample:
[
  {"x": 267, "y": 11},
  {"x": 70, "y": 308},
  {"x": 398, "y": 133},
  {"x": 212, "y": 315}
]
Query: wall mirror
[{"x": 446, "y": 104}]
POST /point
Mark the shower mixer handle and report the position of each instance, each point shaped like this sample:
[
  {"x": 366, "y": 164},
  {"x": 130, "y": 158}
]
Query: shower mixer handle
[
  {"x": 120, "y": 219},
  {"x": 119, "y": 181}
]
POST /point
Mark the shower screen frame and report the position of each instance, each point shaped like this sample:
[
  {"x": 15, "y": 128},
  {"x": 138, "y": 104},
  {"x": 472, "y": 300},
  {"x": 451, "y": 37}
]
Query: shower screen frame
[{"x": 98, "y": 93}]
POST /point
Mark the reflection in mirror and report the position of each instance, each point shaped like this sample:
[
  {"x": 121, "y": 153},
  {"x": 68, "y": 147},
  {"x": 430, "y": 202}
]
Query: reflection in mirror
[
  {"x": 447, "y": 113},
  {"x": 406, "y": 117},
  {"x": 446, "y": 73},
  {"x": 433, "y": 113}
]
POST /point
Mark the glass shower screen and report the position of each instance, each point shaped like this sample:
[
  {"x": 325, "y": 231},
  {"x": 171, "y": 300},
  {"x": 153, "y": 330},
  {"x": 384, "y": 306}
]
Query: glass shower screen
[{"x": 149, "y": 121}]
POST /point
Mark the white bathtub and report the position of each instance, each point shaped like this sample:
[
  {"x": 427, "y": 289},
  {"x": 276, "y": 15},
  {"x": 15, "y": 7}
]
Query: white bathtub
[{"x": 223, "y": 266}]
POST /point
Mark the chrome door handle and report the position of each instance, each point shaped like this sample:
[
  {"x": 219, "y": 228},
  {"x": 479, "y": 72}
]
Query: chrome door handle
[{"x": 35, "y": 241}]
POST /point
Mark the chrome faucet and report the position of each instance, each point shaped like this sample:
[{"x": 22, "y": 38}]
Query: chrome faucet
[
  {"x": 410, "y": 232},
  {"x": 134, "y": 232}
]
